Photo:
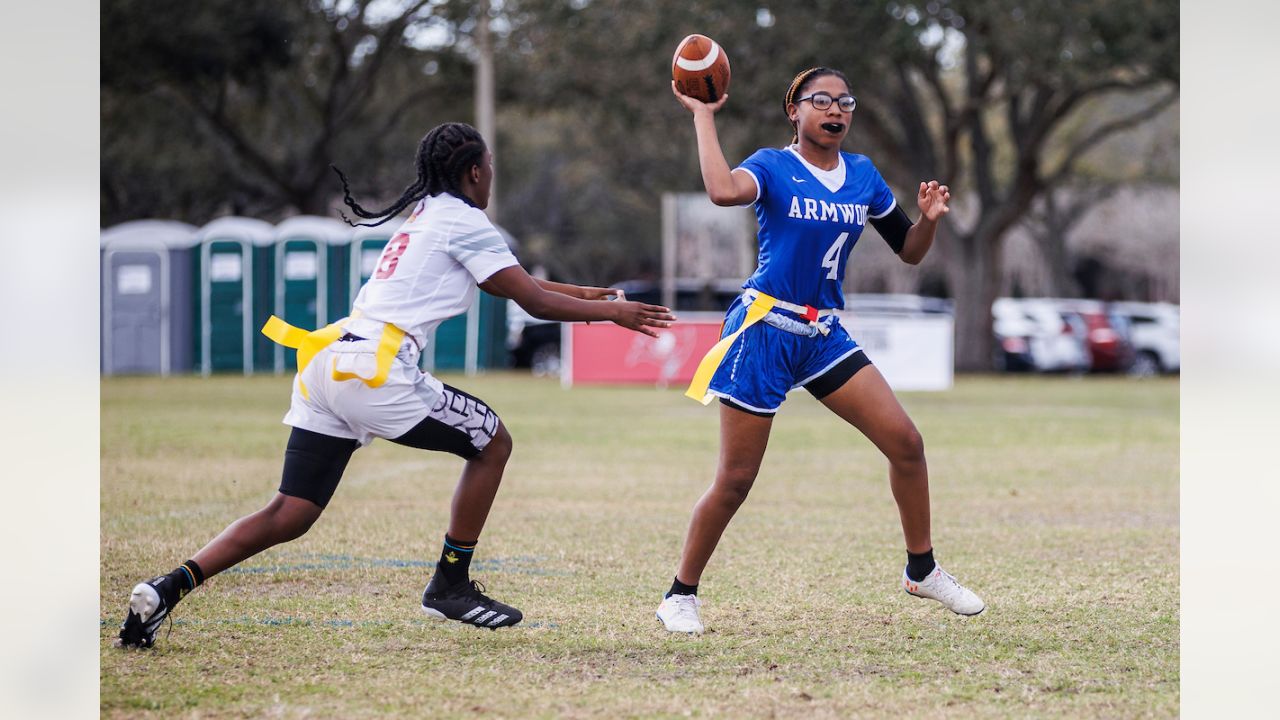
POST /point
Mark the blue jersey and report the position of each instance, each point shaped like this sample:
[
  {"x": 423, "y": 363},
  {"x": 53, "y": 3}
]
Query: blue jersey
[{"x": 807, "y": 229}]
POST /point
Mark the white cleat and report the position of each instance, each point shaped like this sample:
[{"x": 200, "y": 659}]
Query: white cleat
[
  {"x": 941, "y": 586},
  {"x": 679, "y": 613}
]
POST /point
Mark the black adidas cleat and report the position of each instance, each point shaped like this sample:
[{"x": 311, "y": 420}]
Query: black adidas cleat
[
  {"x": 467, "y": 603},
  {"x": 147, "y": 609}
]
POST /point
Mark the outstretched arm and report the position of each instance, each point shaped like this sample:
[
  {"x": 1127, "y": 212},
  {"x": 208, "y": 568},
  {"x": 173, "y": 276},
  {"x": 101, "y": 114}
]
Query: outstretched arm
[
  {"x": 932, "y": 201},
  {"x": 583, "y": 292},
  {"x": 516, "y": 284},
  {"x": 724, "y": 187}
]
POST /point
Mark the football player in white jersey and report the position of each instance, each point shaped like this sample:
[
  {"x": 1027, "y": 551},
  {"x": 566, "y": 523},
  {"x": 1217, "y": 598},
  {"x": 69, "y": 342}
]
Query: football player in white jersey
[
  {"x": 358, "y": 379},
  {"x": 812, "y": 202}
]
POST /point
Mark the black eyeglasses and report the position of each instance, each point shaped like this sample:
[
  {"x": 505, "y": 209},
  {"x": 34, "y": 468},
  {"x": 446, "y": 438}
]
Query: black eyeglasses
[{"x": 822, "y": 101}]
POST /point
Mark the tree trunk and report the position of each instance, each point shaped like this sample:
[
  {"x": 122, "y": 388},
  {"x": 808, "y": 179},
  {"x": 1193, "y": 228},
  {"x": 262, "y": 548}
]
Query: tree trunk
[
  {"x": 974, "y": 273},
  {"x": 1054, "y": 247},
  {"x": 314, "y": 203}
]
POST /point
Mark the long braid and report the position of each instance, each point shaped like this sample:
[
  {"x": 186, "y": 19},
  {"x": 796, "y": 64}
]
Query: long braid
[
  {"x": 798, "y": 85},
  {"x": 443, "y": 155}
]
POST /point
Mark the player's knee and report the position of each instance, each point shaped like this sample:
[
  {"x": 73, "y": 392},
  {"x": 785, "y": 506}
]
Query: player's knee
[
  {"x": 499, "y": 448},
  {"x": 734, "y": 484},
  {"x": 908, "y": 446},
  {"x": 293, "y": 528},
  {"x": 291, "y": 517}
]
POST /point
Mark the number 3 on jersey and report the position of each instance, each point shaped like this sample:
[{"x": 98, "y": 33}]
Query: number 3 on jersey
[
  {"x": 832, "y": 258},
  {"x": 391, "y": 256}
]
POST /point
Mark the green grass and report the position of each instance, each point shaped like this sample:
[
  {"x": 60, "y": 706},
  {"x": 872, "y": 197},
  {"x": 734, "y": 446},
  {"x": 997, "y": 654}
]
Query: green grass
[{"x": 1055, "y": 498}]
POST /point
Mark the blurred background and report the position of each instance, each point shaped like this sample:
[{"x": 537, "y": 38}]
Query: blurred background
[{"x": 1056, "y": 124}]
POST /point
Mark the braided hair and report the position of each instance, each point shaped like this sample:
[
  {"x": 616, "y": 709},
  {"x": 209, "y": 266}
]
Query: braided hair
[
  {"x": 798, "y": 85},
  {"x": 443, "y": 156}
]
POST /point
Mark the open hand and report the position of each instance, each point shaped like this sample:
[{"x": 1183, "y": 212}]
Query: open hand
[
  {"x": 694, "y": 105},
  {"x": 641, "y": 317},
  {"x": 932, "y": 200}
]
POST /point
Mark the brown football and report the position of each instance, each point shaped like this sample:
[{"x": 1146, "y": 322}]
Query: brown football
[{"x": 700, "y": 68}]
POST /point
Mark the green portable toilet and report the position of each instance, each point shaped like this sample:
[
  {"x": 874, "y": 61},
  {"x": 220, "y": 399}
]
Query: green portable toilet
[
  {"x": 366, "y": 248},
  {"x": 476, "y": 340},
  {"x": 491, "y": 322},
  {"x": 311, "y": 255},
  {"x": 147, "y": 293},
  {"x": 235, "y": 294}
]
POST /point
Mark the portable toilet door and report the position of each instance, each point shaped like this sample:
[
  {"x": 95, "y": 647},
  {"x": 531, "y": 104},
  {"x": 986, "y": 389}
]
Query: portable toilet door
[
  {"x": 309, "y": 260},
  {"x": 467, "y": 342},
  {"x": 475, "y": 340},
  {"x": 366, "y": 248},
  {"x": 229, "y": 318},
  {"x": 487, "y": 324},
  {"x": 146, "y": 297}
]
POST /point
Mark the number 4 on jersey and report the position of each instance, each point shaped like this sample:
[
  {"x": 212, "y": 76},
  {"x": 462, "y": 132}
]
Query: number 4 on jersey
[{"x": 832, "y": 258}]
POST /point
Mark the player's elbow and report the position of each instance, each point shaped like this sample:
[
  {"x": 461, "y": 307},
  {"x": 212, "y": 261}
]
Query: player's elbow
[
  {"x": 722, "y": 198},
  {"x": 724, "y": 195},
  {"x": 912, "y": 254}
]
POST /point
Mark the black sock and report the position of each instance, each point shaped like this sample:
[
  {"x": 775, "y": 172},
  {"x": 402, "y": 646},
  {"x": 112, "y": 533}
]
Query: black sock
[
  {"x": 919, "y": 565},
  {"x": 679, "y": 588},
  {"x": 455, "y": 560},
  {"x": 186, "y": 577}
]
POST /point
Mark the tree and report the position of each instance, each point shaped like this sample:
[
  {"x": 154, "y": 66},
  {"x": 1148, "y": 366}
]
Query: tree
[
  {"x": 241, "y": 106},
  {"x": 984, "y": 95},
  {"x": 592, "y": 136}
]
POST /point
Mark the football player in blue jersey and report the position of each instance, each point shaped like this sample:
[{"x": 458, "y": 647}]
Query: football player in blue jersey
[{"x": 811, "y": 201}]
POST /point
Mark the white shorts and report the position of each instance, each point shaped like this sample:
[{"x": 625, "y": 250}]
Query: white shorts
[{"x": 351, "y": 409}]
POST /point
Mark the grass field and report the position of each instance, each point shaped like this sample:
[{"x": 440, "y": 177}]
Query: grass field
[{"x": 1055, "y": 498}]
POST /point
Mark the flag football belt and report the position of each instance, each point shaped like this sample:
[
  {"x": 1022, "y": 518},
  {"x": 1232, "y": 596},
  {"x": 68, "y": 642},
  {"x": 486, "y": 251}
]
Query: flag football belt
[
  {"x": 806, "y": 312},
  {"x": 796, "y": 327},
  {"x": 759, "y": 307},
  {"x": 308, "y": 344}
]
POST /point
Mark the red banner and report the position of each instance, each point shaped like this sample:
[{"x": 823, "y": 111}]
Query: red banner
[{"x": 606, "y": 353}]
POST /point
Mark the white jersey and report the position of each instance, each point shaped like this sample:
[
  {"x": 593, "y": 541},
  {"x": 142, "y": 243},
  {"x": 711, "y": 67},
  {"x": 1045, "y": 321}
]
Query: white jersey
[{"x": 429, "y": 270}]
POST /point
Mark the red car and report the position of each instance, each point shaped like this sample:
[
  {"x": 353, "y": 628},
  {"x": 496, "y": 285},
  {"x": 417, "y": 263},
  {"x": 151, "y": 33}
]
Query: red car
[{"x": 1106, "y": 336}]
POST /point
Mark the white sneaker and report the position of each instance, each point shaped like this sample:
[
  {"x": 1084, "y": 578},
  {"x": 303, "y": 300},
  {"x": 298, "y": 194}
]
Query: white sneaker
[
  {"x": 941, "y": 586},
  {"x": 679, "y": 613}
]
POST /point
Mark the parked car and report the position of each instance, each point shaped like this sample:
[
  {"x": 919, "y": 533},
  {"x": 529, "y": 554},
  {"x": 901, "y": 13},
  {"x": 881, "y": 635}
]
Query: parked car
[
  {"x": 1154, "y": 332},
  {"x": 691, "y": 295},
  {"x": 534, "y": 343},
  {"x": 896, "y": 304},
  {"x": 1032, "y": 335},
  {"x": 1107, "y": 337}
]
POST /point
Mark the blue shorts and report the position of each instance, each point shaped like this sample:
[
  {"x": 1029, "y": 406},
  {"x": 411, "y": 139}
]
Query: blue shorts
[{"x": 766, "y": 362}]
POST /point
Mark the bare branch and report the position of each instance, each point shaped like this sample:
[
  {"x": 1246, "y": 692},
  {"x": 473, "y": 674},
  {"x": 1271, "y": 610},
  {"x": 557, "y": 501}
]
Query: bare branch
[
  {"x": 1102, "y": 132},
  {"x": 396, "y": 113},
  {"x": 983, "y": 173},
  {"x": 917, "y": 133},
  {"x": 930, "y": 73},
  {"x": 387, "y": 40},
  {"x": 1067, "y": 102},
  {"x": 239, "y": 143}
]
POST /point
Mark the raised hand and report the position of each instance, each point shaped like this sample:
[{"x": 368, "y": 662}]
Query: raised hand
[
  {"x": 694, "y": 105},
  {"x": 932, "y": 200},
  {"x": 641, "y": 317}
]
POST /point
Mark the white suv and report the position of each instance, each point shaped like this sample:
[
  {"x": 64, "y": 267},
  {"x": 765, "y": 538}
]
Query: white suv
[
  {"x": 1033, "y": 330},
  {"x": 1153, "y": 329}
]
